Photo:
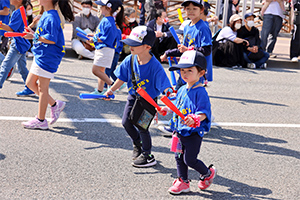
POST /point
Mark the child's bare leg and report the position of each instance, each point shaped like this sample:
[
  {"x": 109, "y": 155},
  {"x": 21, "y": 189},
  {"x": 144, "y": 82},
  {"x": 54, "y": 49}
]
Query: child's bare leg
[
  {"x": 31, "y": 83},
  {"x": 44, "y": 97},
  {"x": 100, "y": 73}
]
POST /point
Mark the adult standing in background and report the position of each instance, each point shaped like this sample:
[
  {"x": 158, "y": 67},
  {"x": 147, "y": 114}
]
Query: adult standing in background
[
  {"x": 87, "y": 22},
  {"x": 295, "y": 23},
  {"x": 272, "y": 23},
  {"x": 233, "y": 7}
]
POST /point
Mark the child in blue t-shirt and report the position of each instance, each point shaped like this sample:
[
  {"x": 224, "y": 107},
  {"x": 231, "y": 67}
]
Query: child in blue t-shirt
[
  {"x": 151, "y": 76},
  {"x": 197, "y": 35},
  {"x": 105, "y": 40},
  {"x": 193, "y": 102},
  {"x": 48, "y": 50},
  {"x": 4, "y": 16},
  {"x": 17, "y": 50}
]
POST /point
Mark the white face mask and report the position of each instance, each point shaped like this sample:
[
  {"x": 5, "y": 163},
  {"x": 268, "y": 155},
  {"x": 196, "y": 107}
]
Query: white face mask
[
  {"x": 86, "y": 11},
  {"x": 250, "y": 23},
  {"x": 29, "y": 12},
  {"x": 237, "y": 26},
  {"x": 131, "y": 20}
]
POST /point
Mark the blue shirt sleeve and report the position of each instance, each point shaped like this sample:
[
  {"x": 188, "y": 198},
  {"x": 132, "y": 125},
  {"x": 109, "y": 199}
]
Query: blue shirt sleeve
[
  {"x": 50, "y": 30},
  {"x": 122, "y": 71},
  {"x": 16, "y": 21}
]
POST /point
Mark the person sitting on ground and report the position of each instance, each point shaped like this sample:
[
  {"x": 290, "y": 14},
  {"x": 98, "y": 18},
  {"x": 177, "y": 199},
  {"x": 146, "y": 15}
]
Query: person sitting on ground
[
  {"x": 128, "y": 24},
  {"x": 254, "y": 56},
  {"x": 87, "y": 22},
  {"x": 164, "y": 39},
  {"x": 228, "y": 51}
]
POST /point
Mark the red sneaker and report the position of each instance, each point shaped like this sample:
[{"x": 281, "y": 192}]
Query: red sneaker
[
  {"x": 179, "y": 186},
  {"x": 204, "y": 183}
]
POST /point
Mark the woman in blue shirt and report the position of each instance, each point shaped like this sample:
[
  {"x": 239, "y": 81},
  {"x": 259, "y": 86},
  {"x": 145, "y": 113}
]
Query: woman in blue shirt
[
  {"x": 48, "y": 50},
  {"x": 17, "y": 50}
]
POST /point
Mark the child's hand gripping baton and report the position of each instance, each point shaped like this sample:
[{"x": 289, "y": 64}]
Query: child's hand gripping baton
[
  {"x": 24, "y": 18},
  {"x": 173, "y": 78},
  {"x": 172, "y": 30},
  {"x": 180, "y": 15},
  {"x": 94, "y": 96},
  {"x": 14, "y": 34},
  {"x": 147, "y": 97},
  {"x": 84, "y": 37},
  {"x": 171, "y": 106}
]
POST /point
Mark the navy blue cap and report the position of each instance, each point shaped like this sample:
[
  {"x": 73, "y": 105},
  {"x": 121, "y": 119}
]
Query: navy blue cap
[
  {"x": 248, "y": 15},
  {"x": 113, "y": 4},
  {"x": 140, "y": 35},
  {"x": 198, "y": 2},
  {"x": 190, "y": 59}
]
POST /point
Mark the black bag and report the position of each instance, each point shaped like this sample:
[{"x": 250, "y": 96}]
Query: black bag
[
  {"x": 142, "y": 112},
  {"x": 256, "y": 56}
]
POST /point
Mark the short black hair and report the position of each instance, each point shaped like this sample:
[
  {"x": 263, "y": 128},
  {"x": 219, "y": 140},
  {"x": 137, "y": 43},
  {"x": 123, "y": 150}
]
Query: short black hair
[
  {"x": 89, "y": 2},
  {"x": 159, "y": 13}
]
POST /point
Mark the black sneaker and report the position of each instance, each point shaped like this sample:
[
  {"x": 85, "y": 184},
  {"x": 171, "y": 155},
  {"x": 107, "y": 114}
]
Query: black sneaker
[
  {"x": 144, "y": 160},
  {"x": 137, "y": 150}
]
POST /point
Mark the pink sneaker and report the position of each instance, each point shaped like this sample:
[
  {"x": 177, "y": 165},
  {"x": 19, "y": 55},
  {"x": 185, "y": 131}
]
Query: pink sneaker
[
  {"x": 35, "y": 124},
  {"x": 179, "y": 186},
  {"x": 206, "y": 182},
  {"x": 56, "y": 110}
]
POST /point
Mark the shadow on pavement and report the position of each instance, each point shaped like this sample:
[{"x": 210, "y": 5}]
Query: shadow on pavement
[{"x": 249, "y": 140}]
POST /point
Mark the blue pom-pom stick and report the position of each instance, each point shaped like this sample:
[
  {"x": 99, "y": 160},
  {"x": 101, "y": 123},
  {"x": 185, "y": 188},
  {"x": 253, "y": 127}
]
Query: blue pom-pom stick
[
  {"x": 82, "y": 36},
  {"x": 94, "y": 96},
  {"x": 81, "y": 31},
  {"x": 173, "y": 78},
  {"x": 172, "y": 30}
]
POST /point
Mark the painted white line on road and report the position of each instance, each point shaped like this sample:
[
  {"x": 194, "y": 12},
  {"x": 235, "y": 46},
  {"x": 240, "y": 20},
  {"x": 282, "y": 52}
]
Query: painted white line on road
[{"x": 103, "y": 120}]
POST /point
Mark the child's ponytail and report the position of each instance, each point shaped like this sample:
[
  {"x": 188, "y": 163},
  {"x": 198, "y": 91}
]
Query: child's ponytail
[
  {"x": 65, "y": 8},
  {"x": 120, "y": 17}
]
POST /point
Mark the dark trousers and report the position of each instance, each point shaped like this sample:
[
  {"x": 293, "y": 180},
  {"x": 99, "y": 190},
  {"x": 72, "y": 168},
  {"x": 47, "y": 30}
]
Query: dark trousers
[
  {"x": 295, "y": 42},
  {"x": 191, "y": 148},
  {"x": 163, "y": 44},
  {"x": 136, "y": 135}
]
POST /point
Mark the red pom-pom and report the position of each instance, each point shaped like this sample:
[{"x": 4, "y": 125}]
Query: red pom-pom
[{"x": 196, "y": 119}]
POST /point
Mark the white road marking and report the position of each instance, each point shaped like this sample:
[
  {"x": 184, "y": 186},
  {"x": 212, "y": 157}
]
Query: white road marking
[{"x": 103, "y": 120}]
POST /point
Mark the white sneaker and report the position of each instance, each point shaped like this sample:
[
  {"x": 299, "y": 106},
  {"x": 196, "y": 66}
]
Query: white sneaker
[
  {"x": 251, "y": 65},
  {"x": 263, "y": 66},
  {"x": 294, "y": 59}
]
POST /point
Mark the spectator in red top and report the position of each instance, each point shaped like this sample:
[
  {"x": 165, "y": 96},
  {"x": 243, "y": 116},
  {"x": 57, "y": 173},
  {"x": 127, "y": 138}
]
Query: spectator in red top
[{"x": 128, "y": 24}]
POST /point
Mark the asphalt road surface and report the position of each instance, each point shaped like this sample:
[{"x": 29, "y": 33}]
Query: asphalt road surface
[{"x": 86, "y": 154}]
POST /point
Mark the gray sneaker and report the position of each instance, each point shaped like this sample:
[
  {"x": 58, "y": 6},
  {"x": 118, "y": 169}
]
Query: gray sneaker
[{"x": 251, "y": 65}]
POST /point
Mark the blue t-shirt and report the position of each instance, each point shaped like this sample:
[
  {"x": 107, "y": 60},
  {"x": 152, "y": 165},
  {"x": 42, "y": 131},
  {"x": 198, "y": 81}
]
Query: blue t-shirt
[
  {"x": 119, "y": 47},
  {"x": 199, "y": 35},
  {"x": 107, "y": 32},
  {"x": 194, "y": 101},
  {"x": 17, "y": 25},
  {"x": 151, "y": 76},
  {"x": 4, "y": 18},
  {"x": 49, "y": 56}
]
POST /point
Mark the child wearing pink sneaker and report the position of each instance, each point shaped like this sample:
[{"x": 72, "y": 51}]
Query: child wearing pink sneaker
[
  {"x": 48, "y": 50},
  {"x": 193, "y": 101}
]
